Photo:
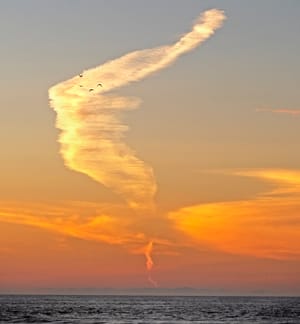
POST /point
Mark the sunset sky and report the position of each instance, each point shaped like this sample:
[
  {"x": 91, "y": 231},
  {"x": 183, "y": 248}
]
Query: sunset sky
[{"x": 150, "y": 144}]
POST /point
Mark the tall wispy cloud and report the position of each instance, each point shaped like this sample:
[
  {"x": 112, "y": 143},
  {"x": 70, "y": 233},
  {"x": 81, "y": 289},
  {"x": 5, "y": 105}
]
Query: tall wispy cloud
[{"x": 87, "y": 114}]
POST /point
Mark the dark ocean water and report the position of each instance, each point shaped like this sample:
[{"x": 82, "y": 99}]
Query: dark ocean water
[{"x": 141, "y": 309}]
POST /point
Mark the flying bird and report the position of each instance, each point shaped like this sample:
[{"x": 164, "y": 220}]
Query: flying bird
[
  {"x": 100, "y": 152},
  {"x": 99, "y": 85}
]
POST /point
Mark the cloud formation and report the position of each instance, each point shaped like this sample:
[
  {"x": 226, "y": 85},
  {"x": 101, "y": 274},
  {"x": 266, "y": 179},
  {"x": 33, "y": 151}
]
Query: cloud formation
[
  {"x": 266, "y": 226},
  {"x": 87, "y": 115}
]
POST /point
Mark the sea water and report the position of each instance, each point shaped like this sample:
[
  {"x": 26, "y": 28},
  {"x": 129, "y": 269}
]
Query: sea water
[{"x": 148, "y": 309}]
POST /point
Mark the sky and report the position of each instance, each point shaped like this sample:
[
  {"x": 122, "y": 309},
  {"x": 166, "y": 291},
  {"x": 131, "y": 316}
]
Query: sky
[{"x": 150, "y": 144}]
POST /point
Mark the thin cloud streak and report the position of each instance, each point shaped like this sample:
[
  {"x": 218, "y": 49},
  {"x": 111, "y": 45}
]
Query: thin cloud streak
[
  {"x": 280, "y": 111},
  {"x": 91, "y": 132},
  {"x": 285, "y": 182}
]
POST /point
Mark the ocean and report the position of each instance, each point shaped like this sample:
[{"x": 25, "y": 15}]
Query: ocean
[{"x": 148, "y": 309}]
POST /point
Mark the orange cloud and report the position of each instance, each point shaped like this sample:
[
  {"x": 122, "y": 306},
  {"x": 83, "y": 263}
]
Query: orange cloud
[
  {"x": 77, "y": 219},
  {"x": 266, "y": 227},
  {"x": 111, "y": 224}
]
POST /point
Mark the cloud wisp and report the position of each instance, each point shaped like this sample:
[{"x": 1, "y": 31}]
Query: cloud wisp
[
  {"x": 292, "y": 112},
  {"x": 87, "y": 110},
  {"x": 149, "y": 262}
]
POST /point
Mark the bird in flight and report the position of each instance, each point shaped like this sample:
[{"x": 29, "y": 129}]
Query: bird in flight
[
  {"x": 91, "y": 90},
  {"x": 99, "y": 85}
]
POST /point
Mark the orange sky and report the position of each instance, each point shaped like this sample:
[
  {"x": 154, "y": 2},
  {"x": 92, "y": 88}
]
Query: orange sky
[
  {"x": 179, "y": 181},
  {"x": 243, "y": 244}
]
